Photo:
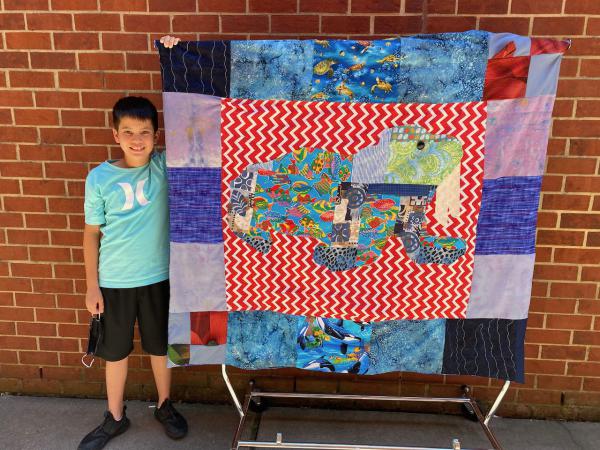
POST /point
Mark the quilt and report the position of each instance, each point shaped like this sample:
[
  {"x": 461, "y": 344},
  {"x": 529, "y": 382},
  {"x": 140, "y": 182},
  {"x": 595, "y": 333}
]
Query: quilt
[{"x": 356, "y": 206}]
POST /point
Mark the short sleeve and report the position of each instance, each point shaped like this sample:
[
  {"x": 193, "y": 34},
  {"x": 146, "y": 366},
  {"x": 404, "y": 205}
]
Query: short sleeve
[
  {"x": 161, "y": 159},
  {"x": 94, "y": 203}
]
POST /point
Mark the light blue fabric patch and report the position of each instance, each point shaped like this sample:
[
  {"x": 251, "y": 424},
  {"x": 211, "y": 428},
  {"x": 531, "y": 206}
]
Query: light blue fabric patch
[
  {"x": 179, "y": 328},
  {"x": 443, "y": 68},
  {"x": 407, "y": 345},
  {"x": 197, "y": 278},
  {"x": 261, "y": 339},
  {"x": 207, "y": 354},
  {"x": 543, "y": 74},
  {"x": 271, "y": 69},
  {"x": 501, "y": 287}
]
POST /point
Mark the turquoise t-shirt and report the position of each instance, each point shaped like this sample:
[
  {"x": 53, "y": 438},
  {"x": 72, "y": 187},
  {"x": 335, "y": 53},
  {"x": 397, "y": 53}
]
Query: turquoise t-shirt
[{"x": 131, "y": 207}]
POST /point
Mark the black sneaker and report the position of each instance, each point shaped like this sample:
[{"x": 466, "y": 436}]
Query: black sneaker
[
  {"x": 175, "y": 425},
  {"x": 98, "y": 438}
]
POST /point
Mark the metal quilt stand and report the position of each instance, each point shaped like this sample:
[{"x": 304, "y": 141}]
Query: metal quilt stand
[{"x": 254, "y": 395}]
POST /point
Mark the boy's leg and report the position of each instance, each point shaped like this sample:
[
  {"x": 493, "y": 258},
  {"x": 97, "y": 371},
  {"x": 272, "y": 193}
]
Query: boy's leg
[
  {"x": 162, "y": 377},
  {"x": 116, "y": 376}
]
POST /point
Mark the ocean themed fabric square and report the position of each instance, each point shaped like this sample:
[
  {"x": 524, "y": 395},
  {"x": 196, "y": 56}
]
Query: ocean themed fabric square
[{"x": 356, "y": 206}]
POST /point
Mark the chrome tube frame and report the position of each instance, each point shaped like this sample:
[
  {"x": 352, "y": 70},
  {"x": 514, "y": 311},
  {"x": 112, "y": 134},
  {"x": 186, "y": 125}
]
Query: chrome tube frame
[{"x": 278, "y": 443}]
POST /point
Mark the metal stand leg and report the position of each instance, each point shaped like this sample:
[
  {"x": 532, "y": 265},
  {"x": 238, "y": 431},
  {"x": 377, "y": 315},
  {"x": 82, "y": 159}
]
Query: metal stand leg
[{"x": 281, "y": 444}]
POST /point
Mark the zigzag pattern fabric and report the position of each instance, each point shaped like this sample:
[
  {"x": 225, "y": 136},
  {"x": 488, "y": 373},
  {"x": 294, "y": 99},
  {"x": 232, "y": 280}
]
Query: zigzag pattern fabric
[{"x": 356, "y": 206}]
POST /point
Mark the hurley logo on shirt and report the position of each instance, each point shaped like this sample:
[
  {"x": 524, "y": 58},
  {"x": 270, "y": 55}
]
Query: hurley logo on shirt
[{"x": 129, "y": 195}]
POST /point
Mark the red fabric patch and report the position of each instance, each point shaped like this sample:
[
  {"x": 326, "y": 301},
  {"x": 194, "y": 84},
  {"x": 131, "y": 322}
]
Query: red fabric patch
[
  {"x": 541, "y": 46},
  {"x": 506, "y": 78},
  {"x": 287, "y": 279},
  {"x": 208, "y": 327}
]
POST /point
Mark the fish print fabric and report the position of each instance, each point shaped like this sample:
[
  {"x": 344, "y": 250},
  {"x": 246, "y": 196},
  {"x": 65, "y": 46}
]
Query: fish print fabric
[{"x": 356, "y": 206}]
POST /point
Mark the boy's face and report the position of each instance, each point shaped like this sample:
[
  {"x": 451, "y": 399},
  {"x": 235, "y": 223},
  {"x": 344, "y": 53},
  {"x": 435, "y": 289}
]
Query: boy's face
[{"x": 136, "y": 138}]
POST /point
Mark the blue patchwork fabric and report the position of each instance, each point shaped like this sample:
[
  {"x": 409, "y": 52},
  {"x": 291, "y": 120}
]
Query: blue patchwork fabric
[
  {"x": 195, "y": 204},
  {"x": 261, "y": 339},
  {"x": 201, "y": 67},
  {"x": 271, "y": 69},
  {"x": 508, "y": 216},
  {"x": 407, "y": 345},
  {"x": 491, "y": 348}
]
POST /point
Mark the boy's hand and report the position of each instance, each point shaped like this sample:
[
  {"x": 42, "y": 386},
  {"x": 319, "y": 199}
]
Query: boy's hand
[
  {"x": 169, "y": 41},
  {"x": 94, "y": 302}
]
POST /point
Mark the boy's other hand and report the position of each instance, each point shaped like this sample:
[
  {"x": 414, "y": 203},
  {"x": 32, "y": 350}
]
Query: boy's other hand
[
  {"x": 94, "y": 302},
  {"x": 169, "y": 41}
]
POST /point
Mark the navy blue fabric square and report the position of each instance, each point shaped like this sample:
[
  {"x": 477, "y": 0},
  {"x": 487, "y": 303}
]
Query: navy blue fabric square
[
  {"x": 201, "y": 67},
  {"x": 490, "y": 348},
  {"x": 508, "y": 216},
  {"x": 195, "y": 204}
]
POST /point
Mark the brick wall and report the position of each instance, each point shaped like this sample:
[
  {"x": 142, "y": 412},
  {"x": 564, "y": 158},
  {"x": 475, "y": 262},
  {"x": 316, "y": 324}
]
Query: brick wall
[{"x": 63, "y": 63}]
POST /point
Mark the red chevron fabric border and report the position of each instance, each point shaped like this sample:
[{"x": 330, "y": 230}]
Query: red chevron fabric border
[{"x": 287, "y": 280}]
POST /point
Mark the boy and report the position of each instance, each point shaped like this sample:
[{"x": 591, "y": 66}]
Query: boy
[{"x": 126, "y": 253}]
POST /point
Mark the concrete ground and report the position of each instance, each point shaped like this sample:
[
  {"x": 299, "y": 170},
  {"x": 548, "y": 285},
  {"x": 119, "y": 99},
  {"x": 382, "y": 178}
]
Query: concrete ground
[{"x": 30, "y": 423}]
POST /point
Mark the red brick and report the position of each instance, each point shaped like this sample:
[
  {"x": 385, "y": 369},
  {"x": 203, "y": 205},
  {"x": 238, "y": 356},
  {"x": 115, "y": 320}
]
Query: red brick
[
  {"x": 573, "y": 290},
  {"x": 14, "y": 314},
  {"x": 36, "y": 329},
  {"x": 245, "y": 24},
  {"x": 104, "y": 100},
  {"x": 345, "y": 24},
  {"x": 536, "y": 7},
  {"x": 46, "y": 221},
  {"x": 10, "y": 186},
  {"x": 591, "y": 384},
  {"x": 17, "y": 343},
  {"x": 583, "y": 368},
  {"x": 101, "y": 61},
  {"x": 568, "y": 322},
  {"x": 24, "y": 204},
  {"x": 584, "y": 221},
  {"x": 294, "y": 24},
  {"x": 584, "y": 147},
  {"x": 119, "y": 5},
  {"x": 555, "y": 272},
  {"x": 62, "y": 373},
  {"x": 18, "y": 134},
  {"x": 73, "y": 271},
  {"x": 21, "y": 169},
  {"x": 32, "y": 79},
  {"x": 36, "y": 116},
  {"x": 69, "y": 330},
  {"x": 97, "y": 22},
  {"x": 517, "y": 25},
  {"x": 586, "y": 338},
  {"x": 59, "y": 344},
  {"x": 116, "y": 41},
  {"x": 589, "y": 306},
  {"x": 39, "y": 21},
  {"x": 582, "y": 7},
  {"x": 31, "y": 270},
  {"x": 539, "y": 396},
  {"x": 15, "y": 98},
  {"x": 50, "y": 254},
  {"x": 8, "y": 151},
  {"x": 390, "y": 25},
  {"x": 12, "y": 21},
  {"x": 82, "y": 118},
  {"x": 593, "y": 240},
  {"x": 55, "y": 315},
  {"x": 556, "y": 237},
  {"x": 57, "y": 99},
  {"x": 66, "y": 238},
  {"x": 40, "y": 152},
  {"x": 588, "y": 108},
  {"x": 75, "y": 5},
  {"x": 76, "y": 41},
  {"x": 99, "y": 136},
  {"x": 52, "y": 60},
  {"x": 547, "y": 336},
  {"x": 559, "y": 383},
  {"x": 579, "y": 256},
  {"x": 11, "y": 220},
  {"x": 272, "y": 6},
  {"x": 14, "y": 60},
  {"x": 32, "y": 237},
  {"x": 450, "y": 24},
  {"x": 81, "y": 80},
  {"x": 546, "y": 367},
  {"x": 127, "y": 81},
  {"x": 370, "y": 6},
  {"x": 571, "y": 165},
  {"x": 60, "y": 136},
  {"x": 578, "y": 88},
  {"x": 8, "y": 357},
  {"x": 43, "y": 358},
  {"x": 558, "y": 26},
  {"x": 28, "y": 40},
  {"x": 479, "y": 7},
  {"x": 52, "y": 286},
  {"x": 566, "y": 201},
  {"x": 590, "y": 274},
  {"x": 28, "y": 299},
  {"x": 582, "y": 184},
  {"x": 172, "y": 6},
  {"x": 585, "y": 46},
  {"x": 206, "y": 23},
  {"x": 13, "y": 252},
  {"x": 141, "y": 61},
  {"x": 76, "y": 189}
]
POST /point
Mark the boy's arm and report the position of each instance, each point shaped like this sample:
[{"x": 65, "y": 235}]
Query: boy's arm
[{"x": 91, "y": 243}]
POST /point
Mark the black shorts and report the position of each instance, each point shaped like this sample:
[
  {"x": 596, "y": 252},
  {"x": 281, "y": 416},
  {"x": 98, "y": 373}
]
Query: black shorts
[{"x": 150, "y": 305}]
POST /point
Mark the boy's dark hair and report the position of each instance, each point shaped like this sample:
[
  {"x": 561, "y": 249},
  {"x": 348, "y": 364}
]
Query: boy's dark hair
[{"x": 136, "y": 107}]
